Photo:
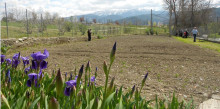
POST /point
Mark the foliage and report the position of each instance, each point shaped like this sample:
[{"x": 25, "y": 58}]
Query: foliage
[
  {"x": 68, "y": 26},
  {"x": 100, "y": 37},
  {"x": 147, "y": 32},
  {"x": 82, "y": 28},
  {"x": 151, "y": 31},
  {"x": 4, "y": 48}
]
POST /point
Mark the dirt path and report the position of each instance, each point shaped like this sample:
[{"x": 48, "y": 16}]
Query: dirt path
[{"x": 172, "y": 65}]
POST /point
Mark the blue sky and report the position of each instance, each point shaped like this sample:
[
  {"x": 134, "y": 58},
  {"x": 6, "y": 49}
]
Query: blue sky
[{"x": 76, "y": 7}]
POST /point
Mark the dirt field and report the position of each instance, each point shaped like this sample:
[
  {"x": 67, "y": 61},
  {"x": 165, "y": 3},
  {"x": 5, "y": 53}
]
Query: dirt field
[{"x": 172, "y": 65}]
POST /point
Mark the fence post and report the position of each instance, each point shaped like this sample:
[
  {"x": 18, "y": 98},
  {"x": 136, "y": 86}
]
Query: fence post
[
  {"x": 27, "y": 22},
  {"x": 6, "y": 19},
  {"x": 42, "y": 28}
]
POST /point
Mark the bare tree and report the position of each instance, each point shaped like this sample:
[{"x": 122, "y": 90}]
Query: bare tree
[
  {"x": 47, "y": 18},
  {"x": 55, "y": 18},
  {"x": 169, "y": 6},
  {"x": 188, "y": 13},
  {"x": 11, "y": 16}
]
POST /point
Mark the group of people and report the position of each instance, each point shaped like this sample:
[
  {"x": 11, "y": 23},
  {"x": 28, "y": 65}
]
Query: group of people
[
  {"x": 181, "y": 33},
  {"x": 185, "y": 33}
]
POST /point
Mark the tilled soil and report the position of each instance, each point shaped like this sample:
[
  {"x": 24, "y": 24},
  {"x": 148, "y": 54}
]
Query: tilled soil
[{"x": 172, "y": 65}]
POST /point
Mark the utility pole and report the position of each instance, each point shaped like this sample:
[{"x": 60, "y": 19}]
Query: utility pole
[
  {"x": 27, "y": 22},
  {"x": 6, "y": 19},
  {"x": 170, "y": 16},
  {"x": 42, "y": 29},
  {"x": 151, "y": 23}
]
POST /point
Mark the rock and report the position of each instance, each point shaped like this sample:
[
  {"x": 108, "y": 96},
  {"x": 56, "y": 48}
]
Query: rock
[
  {"x": 200, "y": 79},
  {"x": 24, "y": 38},
  {"x": 217, "y": 97},
  {"x": 20, "y": 39},
  {"x": 205, "y": 94},
  {"x": 210, "y": 104}
]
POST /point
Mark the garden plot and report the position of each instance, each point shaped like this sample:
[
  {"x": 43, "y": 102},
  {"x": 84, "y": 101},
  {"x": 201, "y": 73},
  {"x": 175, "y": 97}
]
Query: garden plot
[{"x": 172, "y": 65}]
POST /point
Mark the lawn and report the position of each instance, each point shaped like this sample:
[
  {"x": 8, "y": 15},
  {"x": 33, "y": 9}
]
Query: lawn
[{"x": 203, "y": 44}]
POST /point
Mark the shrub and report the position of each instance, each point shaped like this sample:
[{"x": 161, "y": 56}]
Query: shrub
[
  {"x": 68, "y": 26},
  {"x": 4, "y": 48},
  {"x": 99, "y": 37},
  {"x": 82, "y": 28},
  {"x": 147, "y": 32},
  {"x": 151, "y": 32}
]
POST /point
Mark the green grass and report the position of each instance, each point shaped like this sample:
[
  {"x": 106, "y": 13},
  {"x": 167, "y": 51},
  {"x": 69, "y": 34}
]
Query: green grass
[
  {"x": 203, "y": 44},
  {"x": 215, "y": 35},
  {"x": 17, "y": 24},
  {"x": 18, "y": 30}
]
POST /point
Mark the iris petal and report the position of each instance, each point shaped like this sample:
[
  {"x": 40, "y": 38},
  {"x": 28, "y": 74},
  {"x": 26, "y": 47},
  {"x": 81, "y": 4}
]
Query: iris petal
[
  {"x": 43, "y": 64},
  {"x": 40, "y": 57},
  {"x": 67, "y": 91},
  {"x": 34, "y": 55},
  {"x": 93, "y": 79},
  {"x": 71, "y": 83},
  {"x": 46, "y": 53},
  {"x": 34, "y": 64},
  {"x": 29, "y": 83},
  {"x": 33, "y": 76},
  {"x": 2, "y": 58}
]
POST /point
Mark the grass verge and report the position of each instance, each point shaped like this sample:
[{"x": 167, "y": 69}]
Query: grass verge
[{"x": 203, "y": 44}]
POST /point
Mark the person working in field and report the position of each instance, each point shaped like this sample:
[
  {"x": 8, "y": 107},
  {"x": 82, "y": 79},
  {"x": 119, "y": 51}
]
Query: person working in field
[
  {"x": 195, "y": 33},
  {"x": 89, "y": 34},
  {"x": 185, "y": 33}
]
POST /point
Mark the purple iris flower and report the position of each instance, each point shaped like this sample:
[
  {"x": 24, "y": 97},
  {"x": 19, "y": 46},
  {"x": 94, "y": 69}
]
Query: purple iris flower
[
  {"x": 15, "y": 60},
  {"x": 76, "y": 77},
  {"x": 38, "y": 60},
  {"x": 7, "y": 74},
  {"x": 93, "y": 79},
  {"x": 25, "y": 60},
  {"x": 43, "y": 64},
  {"x": 15, "y": 63},
  {"x": 8, "y": 61},
  {"x": 2, "y": 58},
  {"x": 69, "y": 87},
  {"x": 40, "y": 56},
  {"x": 34, "y": 64},
  {"x": 40, "y": 74},
  {"x": 32, "y": 78},
  {"x": 16, "y": 56},
  {"x": 27, "y": 70}
]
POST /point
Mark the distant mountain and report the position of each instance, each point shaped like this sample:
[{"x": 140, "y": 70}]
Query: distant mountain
[
  {"x": 134, "y": 16},
  {"x": 145, "y": 18},
  {"x": 118, "y": 15}
]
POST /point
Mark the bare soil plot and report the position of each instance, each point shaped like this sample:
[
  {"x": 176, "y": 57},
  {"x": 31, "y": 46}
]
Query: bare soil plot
[{"x": 172, "y": 65}]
